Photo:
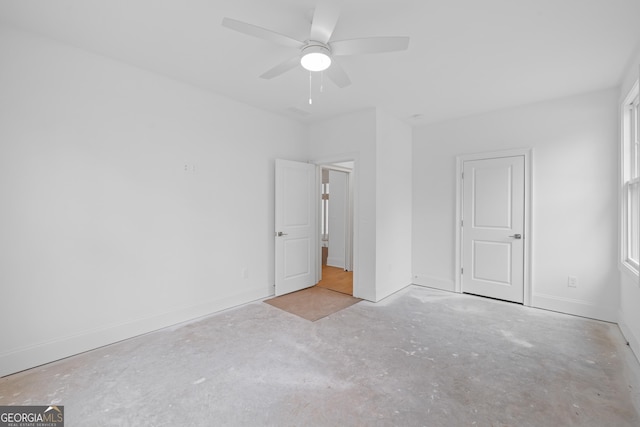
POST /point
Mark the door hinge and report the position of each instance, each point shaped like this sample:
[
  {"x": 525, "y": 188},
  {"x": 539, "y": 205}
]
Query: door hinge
[
  {"x": 461, "y": 223},
  {"x": 462, "y": 271},
  {"x": 462, "y": 175}
]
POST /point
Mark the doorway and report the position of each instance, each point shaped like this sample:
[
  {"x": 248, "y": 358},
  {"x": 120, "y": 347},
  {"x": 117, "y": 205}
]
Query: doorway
[
  {"x": 336, "y": 227},
  {"x": 298, "y": 260},
  {"x": 493, "y": 234}
]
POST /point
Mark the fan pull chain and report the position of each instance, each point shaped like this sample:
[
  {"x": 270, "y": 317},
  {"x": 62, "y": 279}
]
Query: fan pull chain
[
  {"x": 310, "y": 81},
  {"x": 321, "y": 81}
]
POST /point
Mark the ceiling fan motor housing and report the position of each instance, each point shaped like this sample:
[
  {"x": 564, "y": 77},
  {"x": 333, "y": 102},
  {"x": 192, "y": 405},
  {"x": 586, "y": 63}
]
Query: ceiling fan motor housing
[{"x": 315, "y": 56}]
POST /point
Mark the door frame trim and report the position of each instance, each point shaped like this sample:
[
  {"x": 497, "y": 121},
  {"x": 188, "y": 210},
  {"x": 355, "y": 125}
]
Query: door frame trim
[
  {"x": 348, "y": 220},
  {"x": 528, "y": 200},
  {"x": 326, "y": 161}
]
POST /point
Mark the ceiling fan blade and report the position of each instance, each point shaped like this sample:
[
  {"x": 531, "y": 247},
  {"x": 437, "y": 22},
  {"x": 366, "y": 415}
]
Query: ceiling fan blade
[
  {"x": 262, "y": 33},
  {"x": 337, "y": 74},
  {"x": 282, "y": 68},
  {"x": 369, "y": 45},
  {"x": 324, "y": 21}
]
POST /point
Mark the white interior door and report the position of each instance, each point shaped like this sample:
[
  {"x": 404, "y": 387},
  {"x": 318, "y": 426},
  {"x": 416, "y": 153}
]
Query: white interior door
[
  {"x": 338, "y": 206},
  {"x": 295, "y": 226},
  {"x": 493, "y": 228}
]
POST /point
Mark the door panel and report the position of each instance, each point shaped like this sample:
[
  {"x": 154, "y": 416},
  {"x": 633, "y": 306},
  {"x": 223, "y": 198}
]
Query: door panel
[
  {"x": 493, "y": 225},
  {"x": 296, "y": 254},
  {"x": 295, "y": 194},
  {"x": 492, "y": 261},
  {"x": 295, "y": 226},
  {"x": 492, "y": 200}
]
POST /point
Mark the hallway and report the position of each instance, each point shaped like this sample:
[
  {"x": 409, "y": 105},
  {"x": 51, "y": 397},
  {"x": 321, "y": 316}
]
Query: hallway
[{"x": 336, "y": 279}]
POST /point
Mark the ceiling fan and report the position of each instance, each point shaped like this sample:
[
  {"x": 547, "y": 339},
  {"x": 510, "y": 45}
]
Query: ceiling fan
[{"x": 319, "y": 51}]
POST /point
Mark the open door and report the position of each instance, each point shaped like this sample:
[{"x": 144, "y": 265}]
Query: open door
[{"x": 295, "y": 226}]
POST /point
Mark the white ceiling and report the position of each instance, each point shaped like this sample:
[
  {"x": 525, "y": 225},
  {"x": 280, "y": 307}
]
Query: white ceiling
[{"x": 465, "y": 56}]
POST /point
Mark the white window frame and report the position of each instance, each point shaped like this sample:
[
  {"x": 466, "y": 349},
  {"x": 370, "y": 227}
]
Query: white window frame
[{"x": 629, "y": 178}]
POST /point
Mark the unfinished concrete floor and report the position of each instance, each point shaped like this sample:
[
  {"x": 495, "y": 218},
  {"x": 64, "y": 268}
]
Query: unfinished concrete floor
[{"x": 420, "y": 358}]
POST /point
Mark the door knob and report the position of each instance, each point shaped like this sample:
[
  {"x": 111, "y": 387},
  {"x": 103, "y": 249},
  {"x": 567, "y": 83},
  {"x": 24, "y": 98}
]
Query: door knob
[
  {"x": 280, "y": 234},
  {"x": 517, "y": 236}
]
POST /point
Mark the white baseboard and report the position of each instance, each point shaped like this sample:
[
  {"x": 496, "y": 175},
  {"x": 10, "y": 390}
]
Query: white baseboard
[
  {"x": 574, "y": 307},
  {"x": 435, "y": 282},
  {"x": 335, "y": 262},
  {"x": 627, "y": 333},
  {"x": 387, "y": 293},
  {"x": 39, "y": 354}
]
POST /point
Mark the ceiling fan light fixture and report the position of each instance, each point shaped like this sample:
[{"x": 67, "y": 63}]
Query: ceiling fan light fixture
[{"x": 315, "y": 58}]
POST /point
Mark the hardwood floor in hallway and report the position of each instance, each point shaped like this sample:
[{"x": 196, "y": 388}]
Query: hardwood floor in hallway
[{"x": 336, "y": 279}]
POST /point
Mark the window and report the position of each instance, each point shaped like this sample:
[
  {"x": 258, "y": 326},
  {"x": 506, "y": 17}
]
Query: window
[{"x": 631, "y": 181}]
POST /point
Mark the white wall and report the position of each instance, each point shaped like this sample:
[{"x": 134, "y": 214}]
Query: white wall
[
  {"x": 353, "y": 137},
  {"x": 629, "y": 316},
  {"x": 574, "y": 197},
  {"x": 393, "y": 205},
  {"x": 381, "y": 147},
  {"x": 104, "y": 234}
]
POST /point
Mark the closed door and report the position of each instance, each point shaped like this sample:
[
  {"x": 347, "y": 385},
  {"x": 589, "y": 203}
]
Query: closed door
[
  {"x": 295, "y": 225},
  {"x": 493, "y": 228}
]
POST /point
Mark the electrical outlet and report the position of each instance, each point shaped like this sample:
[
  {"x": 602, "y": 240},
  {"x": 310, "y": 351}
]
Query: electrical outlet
[{"x": 572, "y": 282}]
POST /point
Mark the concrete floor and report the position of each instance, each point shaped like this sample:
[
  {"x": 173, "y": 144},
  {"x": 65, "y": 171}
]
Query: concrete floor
[{"x": 419, "y": 358}]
